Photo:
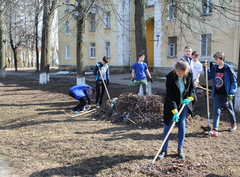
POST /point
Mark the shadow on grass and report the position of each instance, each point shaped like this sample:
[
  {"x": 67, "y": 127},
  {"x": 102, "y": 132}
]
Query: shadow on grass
[
  {"x": 31, "y": 123},
  {"x": 89, "y": 167}
]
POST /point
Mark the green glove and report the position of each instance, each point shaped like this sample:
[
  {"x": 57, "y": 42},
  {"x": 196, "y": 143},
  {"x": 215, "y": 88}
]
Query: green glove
[
  {"x": 230, "y": 97},
  {"x": 186, "y": 101},
  {"x": 176, "y": 117}
]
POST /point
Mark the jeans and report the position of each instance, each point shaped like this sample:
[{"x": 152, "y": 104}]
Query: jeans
[
  {"x": 217, "y": 102},
  {"x": 144, "y": 86},
  {"x": 181, "y": 130}
]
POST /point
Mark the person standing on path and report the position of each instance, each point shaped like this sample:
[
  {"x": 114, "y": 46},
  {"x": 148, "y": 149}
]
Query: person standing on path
[
  {"x": 81, "y": 92},
  {"x": 100, "y": 88},
  {"x": 140, "y": 69},
  {"x": 179, "y": 91},
  {"x": 223, "y": 89}
]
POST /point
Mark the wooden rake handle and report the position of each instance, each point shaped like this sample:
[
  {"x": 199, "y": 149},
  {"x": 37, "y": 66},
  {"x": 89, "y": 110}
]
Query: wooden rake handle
[{"x": 165, "y": 139}]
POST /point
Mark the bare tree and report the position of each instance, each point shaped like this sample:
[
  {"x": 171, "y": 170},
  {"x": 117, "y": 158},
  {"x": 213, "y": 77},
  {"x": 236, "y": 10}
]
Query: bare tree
[
  {"x": 48, "y": 10},
  {"x": 2, "y": 46},
  {"x": 140, "y": 31}
]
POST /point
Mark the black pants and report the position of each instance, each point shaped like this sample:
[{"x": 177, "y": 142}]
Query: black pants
[
  {"x": 100, "y": 89},
  {"x": 83, "y": 101}
]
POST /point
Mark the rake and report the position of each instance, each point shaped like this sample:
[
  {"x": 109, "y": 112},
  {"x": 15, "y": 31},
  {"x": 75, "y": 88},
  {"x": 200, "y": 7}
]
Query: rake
[{"x": 165, "y": 139}]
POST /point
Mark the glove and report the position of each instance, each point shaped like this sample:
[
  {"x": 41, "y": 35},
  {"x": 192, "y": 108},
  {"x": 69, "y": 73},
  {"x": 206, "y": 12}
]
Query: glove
[
  {"x": 132, "y": 79},
  {"x": 187, "y": 100},
  {"x": 86, "y": 108},
  {"x": 230, "y": 97},
  {"x": 176, "y": 117},
  {"x": 107, "y": 83},
  {"x": 151, "y": 80}
]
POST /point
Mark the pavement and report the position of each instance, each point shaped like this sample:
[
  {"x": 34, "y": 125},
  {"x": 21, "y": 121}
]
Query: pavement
[
  {"x": 122, "y": 79},
  {"x": 5, "y": 168}
]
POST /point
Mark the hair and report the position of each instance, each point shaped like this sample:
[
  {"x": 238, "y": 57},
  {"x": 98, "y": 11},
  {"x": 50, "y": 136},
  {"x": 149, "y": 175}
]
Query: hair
[
  {"x": 187, "y": 47},
  {"x": 181, "y": 65},
  {"x": 219, "y": 55},
  {"x": 195, "y": 53},
  {"x": 141, "y": 54},
  {"x": 105, "y": 59}
]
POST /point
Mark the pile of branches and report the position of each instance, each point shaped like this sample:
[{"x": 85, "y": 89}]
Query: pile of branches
[{"x": 131, "y": 109}]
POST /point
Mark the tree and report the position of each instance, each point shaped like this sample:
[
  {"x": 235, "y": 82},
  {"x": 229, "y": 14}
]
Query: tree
[
  {"x": 2, "y": 44},
  {"x": 48, "y": 10},
  {"x": 140, "y": 31}
]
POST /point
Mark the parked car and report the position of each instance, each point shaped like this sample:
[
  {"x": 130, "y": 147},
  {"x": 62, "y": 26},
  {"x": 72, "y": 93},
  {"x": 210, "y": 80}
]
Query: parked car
[{"x": 202, "y": 79}]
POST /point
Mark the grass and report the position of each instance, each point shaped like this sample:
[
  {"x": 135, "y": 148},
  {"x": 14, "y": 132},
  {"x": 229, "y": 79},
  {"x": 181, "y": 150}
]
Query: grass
[{"x": 39, "y": 136}]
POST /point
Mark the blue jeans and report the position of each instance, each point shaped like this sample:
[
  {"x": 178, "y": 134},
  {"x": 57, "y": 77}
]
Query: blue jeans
[
  {"x": 217, "y": 102},
  {"x": 181, "y": 129}
]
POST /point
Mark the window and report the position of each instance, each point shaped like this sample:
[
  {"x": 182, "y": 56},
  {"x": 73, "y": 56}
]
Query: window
[
  {"x": 66, "y": 6},
  {"x": 206, "y": 7},
  {"x": 92, "y": 22},
  {"x": 172, "y": 10},
  {"x": 206, "y": 45},
  {"x": 92, "y": 50},
  {"x": 107, "y": 49},
  {"x": 67, "y": 28},
  {"x": 67, "y": 52},
  {"x": 107, "y": 20},
  {"x": 172, "y": 46}
]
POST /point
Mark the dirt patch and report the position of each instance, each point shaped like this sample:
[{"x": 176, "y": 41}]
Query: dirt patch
[{"x": 39, "y": 135}]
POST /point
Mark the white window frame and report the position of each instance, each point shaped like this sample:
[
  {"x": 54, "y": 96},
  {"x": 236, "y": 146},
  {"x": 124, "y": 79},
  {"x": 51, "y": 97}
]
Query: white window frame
[
  {"x": 66, "y": 28},
  {"x": 173, "y": 46},
  {"x": 92, "y": 50},
  {"x": 67, "y": 52},
  {"x": 208, "y": 7},
  {"x": 107, "y": 49},
  {"x": 66, "y": 5},
  {"x": 107, "y": 18},
  {"x": 92, "y": 22},
  {"x": 172, "y": 14},
  {"x": 206, "y": 44}
]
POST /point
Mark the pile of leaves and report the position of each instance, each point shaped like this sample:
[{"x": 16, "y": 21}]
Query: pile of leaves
[{"x": 132, "y": 109}]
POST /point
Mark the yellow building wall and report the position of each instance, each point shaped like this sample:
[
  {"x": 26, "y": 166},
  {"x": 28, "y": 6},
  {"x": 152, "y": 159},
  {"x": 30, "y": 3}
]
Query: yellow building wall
[{"x": 223, "y": 39}]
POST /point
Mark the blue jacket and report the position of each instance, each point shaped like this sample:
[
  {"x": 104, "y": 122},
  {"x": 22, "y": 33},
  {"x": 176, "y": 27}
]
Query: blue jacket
[
  {"x": 81, "y": 90},
  {"x": 104, "y": 70},
  {"x": 230, "y": 79}
]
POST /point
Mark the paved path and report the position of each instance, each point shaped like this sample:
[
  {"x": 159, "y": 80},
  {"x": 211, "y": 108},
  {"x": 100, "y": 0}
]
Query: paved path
[
  {"x": 121, "y": 79},
  {"x": 5, "y": 169}
]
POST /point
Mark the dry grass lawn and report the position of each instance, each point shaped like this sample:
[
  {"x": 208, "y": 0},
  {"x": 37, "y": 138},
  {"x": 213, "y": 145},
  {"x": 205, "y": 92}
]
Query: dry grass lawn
[{"x": 41, "y": 139}]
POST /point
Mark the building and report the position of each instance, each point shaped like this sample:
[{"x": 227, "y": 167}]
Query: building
[{"x": 109, "y": 30}]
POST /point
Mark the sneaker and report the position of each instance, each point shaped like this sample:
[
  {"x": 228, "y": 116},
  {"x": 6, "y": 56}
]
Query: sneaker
[
  {"x": 233, "y": 128},
  {"x": 75, "y": 112},
  {"x": 162, "y": 154},
  {"x": 211, "y": 133},
  {"x": 97, "y": 105},
  {"x": 181, "y": 154}
]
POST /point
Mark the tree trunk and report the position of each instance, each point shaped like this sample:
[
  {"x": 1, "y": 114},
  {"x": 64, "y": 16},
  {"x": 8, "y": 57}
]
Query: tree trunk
[
  {"x": 140, "y": 31},
  {"x": 2, "y": 46},
  {"x": 36, "y": 34},
  {"x": 80, "y": 45},
  {"x": 45, "y": 39}
]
